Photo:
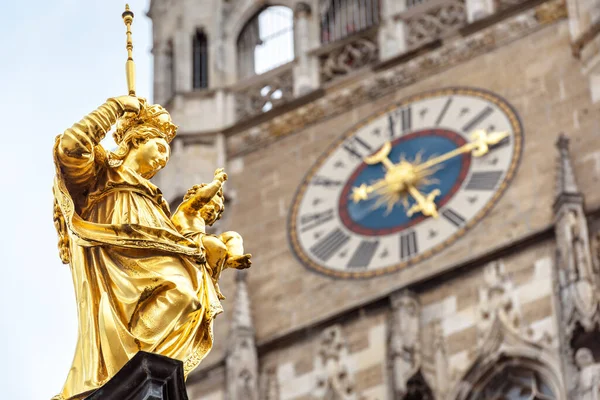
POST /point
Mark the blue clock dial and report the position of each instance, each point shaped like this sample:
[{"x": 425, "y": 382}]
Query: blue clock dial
[
  {"x": 405, "y": 183},
  {"x": 368, "y": 218}
]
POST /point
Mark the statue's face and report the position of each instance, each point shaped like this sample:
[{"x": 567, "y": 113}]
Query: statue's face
[
  {"x": 584, "y": 358},
  {"x": 151, "y": 156},
  {"x": 211, "y": 212}
]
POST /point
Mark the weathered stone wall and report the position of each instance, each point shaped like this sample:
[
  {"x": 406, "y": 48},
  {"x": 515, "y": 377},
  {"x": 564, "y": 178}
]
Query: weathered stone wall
[
  {"x": 296, "y": 366},
  {"x": 535, "y": 74},
  {"x": 188, "y": 166},
  {"x": 208, "y": 386},
  {"x": 455, "y": 306},
  {"x": 539, "y": 78}
]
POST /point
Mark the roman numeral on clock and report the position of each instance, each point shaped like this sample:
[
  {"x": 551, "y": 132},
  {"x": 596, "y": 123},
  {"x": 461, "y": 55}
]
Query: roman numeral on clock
[
  {"x": 408, "y": 245},
  {"x": 330, "y": 244},
  {"x": 478, "y": 119},
  {"x": 455, "y": 218},
  {"x": 405, "y": 117},
  {"x": 443, "y": 112},
  {"x": 311, "y": 221},
  {"x": 363, "y": 254},
  {"x": 484, "y": 180},
  {"x": 327, "y": 182},
  {"x": 358, "y": 148}
]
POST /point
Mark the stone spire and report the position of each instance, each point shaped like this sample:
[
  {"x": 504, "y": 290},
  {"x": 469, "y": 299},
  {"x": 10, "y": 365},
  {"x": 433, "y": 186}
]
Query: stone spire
[
  {"x": 242, "y": 319},
  {"x": 242, "y": 360},
  {"x": 566, "y": 186},
  {"x": 578, "y": 282}
]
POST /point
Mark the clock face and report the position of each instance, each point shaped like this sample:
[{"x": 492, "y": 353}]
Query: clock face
[{"x": 405, "y": 183}]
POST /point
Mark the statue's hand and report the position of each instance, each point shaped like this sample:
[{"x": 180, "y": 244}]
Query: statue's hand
[
  {"x": 130, "y": 104},
  {"x": 239, "y": 262},
  {"x": 201, "y": 256},
  {"x": 220, "y": 175}
]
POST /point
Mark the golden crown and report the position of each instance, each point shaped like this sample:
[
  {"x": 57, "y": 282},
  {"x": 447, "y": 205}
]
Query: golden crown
[{"x": 150, "y": 115}]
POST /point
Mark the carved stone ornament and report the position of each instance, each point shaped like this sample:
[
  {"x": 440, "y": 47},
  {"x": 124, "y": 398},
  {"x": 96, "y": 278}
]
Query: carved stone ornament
[
  {"x": 334, "y": 380},
  {"x": 505, "y": 348},
  {"x": 580, "y": 295},
  {"x": 435, "y": 367},
  {"x": 354, "y": 55},
  {"x": 503, "y": 342},
  {"x": 436, "y": 22},
  {"x": 588, "y": 384},
  {"x": 497, "y": 301},
  {"x": 272, "y": 89},
  {"x": 578, "y": 280},
  {"x": 405, "y": 349}
]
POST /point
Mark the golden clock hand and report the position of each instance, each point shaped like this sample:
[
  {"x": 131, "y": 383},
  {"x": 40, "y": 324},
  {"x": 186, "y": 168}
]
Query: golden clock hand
[
  {"x": 362, "y": 192},
  {"x": 381, "y": 156},
  {"x": 425, "y": 203},
  {"x": 396, "y": 179},
  {"x": 480, "y": 146}
]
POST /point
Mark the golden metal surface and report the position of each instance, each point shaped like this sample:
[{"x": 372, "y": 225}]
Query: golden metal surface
[
  {"x": 404, "y": 178},
  {"x": 129, "y": 65},
  {"x": 145, "y": 279}
]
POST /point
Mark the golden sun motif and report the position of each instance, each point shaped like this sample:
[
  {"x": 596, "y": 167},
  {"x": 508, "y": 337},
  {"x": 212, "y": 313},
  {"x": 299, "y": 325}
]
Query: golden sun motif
[
  {"x": 398, "y": 180},
  {"x": 405, "y": 178}
]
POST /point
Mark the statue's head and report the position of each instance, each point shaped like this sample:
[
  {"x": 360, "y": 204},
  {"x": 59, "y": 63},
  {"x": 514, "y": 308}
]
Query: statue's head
[
  {"x": 584, "y": 358},
  {"x": 213, "y": 210},
  {"x": 144, "y": 140}
]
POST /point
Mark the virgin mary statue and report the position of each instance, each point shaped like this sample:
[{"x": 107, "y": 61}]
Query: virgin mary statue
[{"x": 140, "y": 284}]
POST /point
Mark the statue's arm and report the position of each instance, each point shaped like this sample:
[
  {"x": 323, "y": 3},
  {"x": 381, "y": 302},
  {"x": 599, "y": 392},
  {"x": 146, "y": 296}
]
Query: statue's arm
[
  {"x": 75, "y": 150},
  {"x": 202, "y": 197},
  {"x": 204, "y": 194}
]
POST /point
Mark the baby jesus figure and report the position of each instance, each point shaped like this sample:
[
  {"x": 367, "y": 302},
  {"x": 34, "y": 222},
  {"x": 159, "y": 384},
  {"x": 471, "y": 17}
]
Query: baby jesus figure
[{"x": 203, "y": 205}]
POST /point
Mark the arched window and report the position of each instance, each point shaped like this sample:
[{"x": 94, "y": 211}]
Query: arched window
[
  {"x": 266, "y": 41},
  {"x": 170, "y": 70},
  {"x": 341, "y": 18},
  {"x": 515, "y": 383},
  {"x": 200, "y": 60}
]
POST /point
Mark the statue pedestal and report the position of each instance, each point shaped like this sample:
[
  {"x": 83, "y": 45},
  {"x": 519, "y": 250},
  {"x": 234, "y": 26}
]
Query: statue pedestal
[{"x": 146, "y": 376}]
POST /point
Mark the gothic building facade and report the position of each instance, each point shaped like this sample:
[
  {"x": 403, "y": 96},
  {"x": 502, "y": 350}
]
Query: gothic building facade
[{"x": 418, "y": 182}]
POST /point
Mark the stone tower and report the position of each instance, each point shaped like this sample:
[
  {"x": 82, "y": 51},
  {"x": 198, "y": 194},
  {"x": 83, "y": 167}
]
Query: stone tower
[{"x": 356, "y": 290}]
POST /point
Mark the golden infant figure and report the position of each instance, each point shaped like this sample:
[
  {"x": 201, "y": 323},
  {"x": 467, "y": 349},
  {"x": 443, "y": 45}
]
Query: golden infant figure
[{"x": 203, "y": 205}]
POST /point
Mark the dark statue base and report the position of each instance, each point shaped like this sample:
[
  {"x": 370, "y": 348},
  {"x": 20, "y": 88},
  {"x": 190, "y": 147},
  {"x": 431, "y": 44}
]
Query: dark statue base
[{"x": 146, "y": 376}]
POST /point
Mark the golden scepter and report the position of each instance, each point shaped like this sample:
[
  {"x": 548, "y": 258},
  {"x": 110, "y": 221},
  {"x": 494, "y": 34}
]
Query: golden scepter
[{"x": 129, "y": 65}]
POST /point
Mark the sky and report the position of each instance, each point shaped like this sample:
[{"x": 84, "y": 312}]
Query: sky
[{"x": 59, "y": 60}]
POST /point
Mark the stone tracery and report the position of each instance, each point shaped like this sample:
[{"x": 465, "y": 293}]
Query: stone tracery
[{"x": 334, "y": 381}]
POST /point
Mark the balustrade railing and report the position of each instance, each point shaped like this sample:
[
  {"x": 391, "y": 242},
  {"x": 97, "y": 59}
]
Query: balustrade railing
[
  {"x": 343, "y": 18},
  {"x": 261, "y": 93}
]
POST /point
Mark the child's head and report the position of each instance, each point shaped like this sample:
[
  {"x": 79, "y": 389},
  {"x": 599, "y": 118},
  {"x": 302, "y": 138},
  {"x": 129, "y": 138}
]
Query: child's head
[{"x": 211, "y": 211}]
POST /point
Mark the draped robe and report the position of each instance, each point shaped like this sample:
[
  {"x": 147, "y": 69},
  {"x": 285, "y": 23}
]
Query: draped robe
[{"x": 139, "y": 283}]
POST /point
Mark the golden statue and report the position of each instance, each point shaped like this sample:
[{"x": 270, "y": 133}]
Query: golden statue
[{"x": 144, "y": 280}]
